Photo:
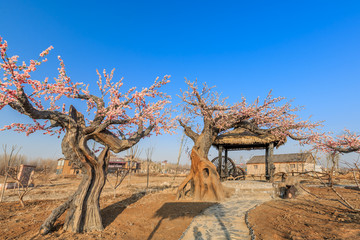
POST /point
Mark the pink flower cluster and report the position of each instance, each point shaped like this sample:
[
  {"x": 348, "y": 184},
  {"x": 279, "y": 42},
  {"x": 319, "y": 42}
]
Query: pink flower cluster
[
  {"x": 145, "y": 107},
  {"x": 138, "y": 103},
  {"x": 271, "y": 115},
  {"x": 343, "y": 143},
  {"x": 46, "y": 52}
]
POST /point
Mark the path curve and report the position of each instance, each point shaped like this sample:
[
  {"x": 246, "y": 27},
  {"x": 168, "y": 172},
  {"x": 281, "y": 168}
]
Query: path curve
[{"x": 226, "y": 220}]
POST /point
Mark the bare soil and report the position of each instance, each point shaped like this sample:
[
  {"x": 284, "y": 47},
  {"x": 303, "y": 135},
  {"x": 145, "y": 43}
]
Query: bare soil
[
  {"x": 308, "y": 217},
  {"x": 132, "y": 214}
]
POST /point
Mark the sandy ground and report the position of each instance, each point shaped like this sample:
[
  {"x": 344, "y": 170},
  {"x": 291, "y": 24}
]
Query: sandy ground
[
  {"x": 308, "y": 217},
  {"x": 132, "y": 214}
]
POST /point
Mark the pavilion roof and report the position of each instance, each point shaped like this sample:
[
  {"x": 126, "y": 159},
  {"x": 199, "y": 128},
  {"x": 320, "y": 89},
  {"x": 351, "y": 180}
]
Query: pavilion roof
[
  {"x": 283, "y": 158},
  {"x": 240, "y": 138}
]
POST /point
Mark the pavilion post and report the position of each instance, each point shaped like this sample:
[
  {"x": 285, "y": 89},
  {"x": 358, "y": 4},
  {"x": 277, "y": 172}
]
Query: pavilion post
[
  {"x": 219, "y": 170},
  {"x": 267, "y": 172},
  {"x": 269, "y": 163},
  {"x": 226, "y": 163}
]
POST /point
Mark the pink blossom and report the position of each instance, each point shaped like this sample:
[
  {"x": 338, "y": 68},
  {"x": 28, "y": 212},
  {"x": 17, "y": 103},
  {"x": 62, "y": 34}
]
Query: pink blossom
[{"x": 147, "y": 106}]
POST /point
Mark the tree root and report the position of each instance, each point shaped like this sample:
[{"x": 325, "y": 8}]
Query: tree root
[
  {"x": 181, "y": 189},
  {"x": 48, "y": 224},
  {"x": 205, "y": 181}
]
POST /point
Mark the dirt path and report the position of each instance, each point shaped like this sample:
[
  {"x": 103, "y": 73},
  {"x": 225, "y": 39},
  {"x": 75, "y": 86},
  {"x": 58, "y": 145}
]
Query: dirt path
[{"x": 226, "y": 220}]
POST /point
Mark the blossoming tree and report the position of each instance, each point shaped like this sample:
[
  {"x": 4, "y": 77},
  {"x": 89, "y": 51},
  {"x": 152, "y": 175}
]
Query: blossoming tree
[
  {"x": 344, "y": 143},
  {"x": 347, "y": 142},
  {"x": 118, "y": 121},
  {"x": 206, "y": 115}
]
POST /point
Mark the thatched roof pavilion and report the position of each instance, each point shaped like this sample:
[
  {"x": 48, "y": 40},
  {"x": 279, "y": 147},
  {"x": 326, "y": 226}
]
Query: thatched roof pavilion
[{"x": 243, "y": 139}]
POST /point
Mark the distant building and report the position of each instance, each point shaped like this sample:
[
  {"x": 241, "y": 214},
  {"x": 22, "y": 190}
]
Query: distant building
[
  {"x": 65, "y": 167},
  {"x": 164, "y": 166},
  {"x": 23, "y": 174},
  {"x": 293, "y": 162},
  {"x": 117, "y": 163}
]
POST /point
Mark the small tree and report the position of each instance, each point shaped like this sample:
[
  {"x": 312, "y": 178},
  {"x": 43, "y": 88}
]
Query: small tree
[
  {"x": 213, "y": 116},
  {"x": 120, "y": 174},
  {"x": 22, "y": 188},
  {"x": 9, "y": 160},
  {"x": 347, "y": 142},
  {"x": 133, "y": 114},
  {"x": 133, "y": 154},
  {"x": 182, "y": 145},
  {"x": 149, "y": 152},
  {"x": 13, "y": 162}
]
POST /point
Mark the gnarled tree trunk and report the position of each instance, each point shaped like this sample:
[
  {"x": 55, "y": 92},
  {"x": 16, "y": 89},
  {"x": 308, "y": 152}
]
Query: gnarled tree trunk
[
  {"x": 205, "y": 181},
  {"x": 84, "y": 211},
  {"x": 83, "y": 207}
]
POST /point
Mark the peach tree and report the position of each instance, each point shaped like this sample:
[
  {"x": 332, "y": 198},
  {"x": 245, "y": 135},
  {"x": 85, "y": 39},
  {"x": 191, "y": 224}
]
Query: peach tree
[
  {"x": 117, "y": 120},
  {"x": 206, "y": 115}
]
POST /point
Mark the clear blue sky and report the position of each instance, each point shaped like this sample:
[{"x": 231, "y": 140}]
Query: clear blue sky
[{"x": 303, "y": 50}]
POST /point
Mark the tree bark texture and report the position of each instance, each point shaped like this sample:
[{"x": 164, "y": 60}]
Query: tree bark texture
[
  {"x": 83, "y": 208},
  {"x": 84, "y": 211},
  {"x": 204, "y": 179}
]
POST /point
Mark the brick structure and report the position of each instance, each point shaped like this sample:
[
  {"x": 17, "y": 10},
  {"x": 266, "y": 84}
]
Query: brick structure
[
  {"x": 293, "y": 162},
  {"x": 65, "y": 167},
  {"x": 23, "y": 174}
]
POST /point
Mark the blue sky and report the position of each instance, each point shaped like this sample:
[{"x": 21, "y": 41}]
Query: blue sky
[{"x": 303, "y": 50}]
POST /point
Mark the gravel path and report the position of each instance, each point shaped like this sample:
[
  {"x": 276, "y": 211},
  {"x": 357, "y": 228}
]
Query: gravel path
[{"x": 226, "y": 220}]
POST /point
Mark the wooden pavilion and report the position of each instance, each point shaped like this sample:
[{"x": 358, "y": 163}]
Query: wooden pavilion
[{"x": 242, "y": 139}]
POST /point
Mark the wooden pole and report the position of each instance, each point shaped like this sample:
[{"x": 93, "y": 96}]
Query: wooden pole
[
  {"x": 220, "y": 161},
  {"x": 147, "y": 172},
  {"x": 179, "y": 156},
  {"x": 267, "y": 173},
  {"x": 226, "y": 163},
  {"x": 271, "y": 162},
  {"x": 149, "y": 153}
]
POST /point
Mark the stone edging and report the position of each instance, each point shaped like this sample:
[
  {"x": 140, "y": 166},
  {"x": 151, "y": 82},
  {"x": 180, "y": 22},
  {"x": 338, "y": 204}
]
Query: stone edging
[{"x": 251, "y": 230}]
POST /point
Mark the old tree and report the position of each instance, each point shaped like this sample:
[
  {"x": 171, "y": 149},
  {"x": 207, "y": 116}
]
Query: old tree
[
  {"x": 118, "y": 121},
  {"x": 206, "y": 115}
]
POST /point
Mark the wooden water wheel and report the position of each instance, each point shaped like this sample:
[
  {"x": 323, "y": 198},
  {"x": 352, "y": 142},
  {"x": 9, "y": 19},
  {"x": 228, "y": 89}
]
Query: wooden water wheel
[{"x": 233, "y": 172}]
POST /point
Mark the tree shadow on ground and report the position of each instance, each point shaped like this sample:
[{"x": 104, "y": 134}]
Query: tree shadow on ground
[
  {"x": 175, "y": 210},
  {"x": 110, "y": 213}
]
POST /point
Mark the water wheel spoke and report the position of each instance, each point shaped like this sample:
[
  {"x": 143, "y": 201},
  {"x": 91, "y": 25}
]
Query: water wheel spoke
[{"x": 233, "y": 172}]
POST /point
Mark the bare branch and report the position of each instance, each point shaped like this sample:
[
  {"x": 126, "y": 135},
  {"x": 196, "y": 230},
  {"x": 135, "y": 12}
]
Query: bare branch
[
  {"x": 100, "y": 106},
  {"x": 26, "y": 108},
  {"x": 188, "y": 131},
  {"x": 117, "y": 145}
]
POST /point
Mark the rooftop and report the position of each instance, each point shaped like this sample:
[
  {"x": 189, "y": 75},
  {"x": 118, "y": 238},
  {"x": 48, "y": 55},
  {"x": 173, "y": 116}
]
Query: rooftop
[
  {"x": 282, "y": 158},
  {"x": 240, "y": 138}
]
